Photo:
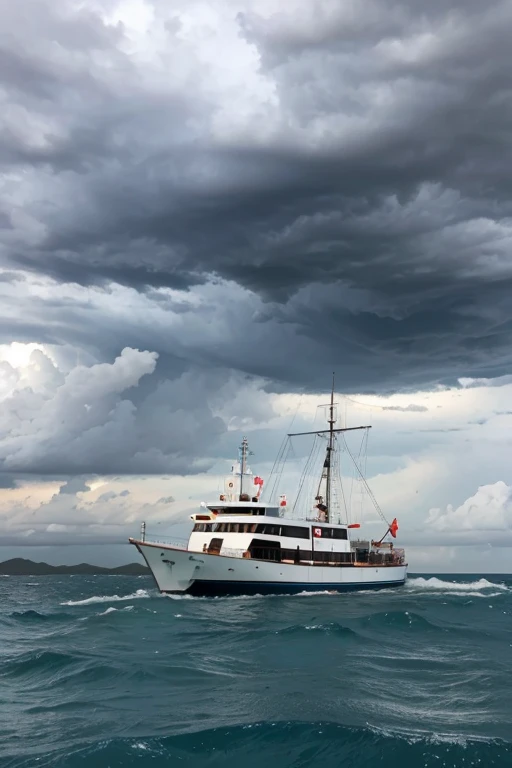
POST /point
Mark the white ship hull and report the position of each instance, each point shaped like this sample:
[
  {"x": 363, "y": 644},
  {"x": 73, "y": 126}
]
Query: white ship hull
[{"x": 182, "y": 570}]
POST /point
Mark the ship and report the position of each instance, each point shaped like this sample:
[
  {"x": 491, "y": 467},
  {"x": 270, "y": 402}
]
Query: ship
[{"x": 242, "y": 545}]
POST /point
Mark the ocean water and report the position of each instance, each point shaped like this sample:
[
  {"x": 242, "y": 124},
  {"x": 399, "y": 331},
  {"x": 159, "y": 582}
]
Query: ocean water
[{"x": 103, "y": 671}]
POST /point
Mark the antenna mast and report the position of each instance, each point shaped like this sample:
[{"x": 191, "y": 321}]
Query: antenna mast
[
  {"x": 328, "y": 458},
  {"x": 243, "y": 463}
]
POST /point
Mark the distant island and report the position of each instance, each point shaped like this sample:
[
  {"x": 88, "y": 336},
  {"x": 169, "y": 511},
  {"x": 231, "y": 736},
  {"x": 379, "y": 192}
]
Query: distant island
[{"x": 21, "y": 567}]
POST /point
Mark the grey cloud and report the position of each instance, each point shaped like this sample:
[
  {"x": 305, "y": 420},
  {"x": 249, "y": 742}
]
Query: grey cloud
[
  {"x": 371, "y": 223},
  {"x": 74, "y": 485},
  {"x": 406, "y": 409},
  {"x": 7, "y": 480},
  {"x": 89, "y": 423}
]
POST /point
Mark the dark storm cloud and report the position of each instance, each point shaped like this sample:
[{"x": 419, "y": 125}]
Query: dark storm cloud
[
  {"x": 7, "y": 480},
  {"x": 374, "y": 221}
]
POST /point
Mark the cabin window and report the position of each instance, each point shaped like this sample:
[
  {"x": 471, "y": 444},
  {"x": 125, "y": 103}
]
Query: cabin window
[
  {"x": 268, "y": 529},
  {"x": 293, "y": 531},
  {"x": 262, "y": 549},
  {"x": 332, "y": 533}
]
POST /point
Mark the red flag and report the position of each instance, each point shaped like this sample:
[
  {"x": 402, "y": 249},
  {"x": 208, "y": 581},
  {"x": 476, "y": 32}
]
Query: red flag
[
  {"x": 258, "y": 481},
  {"x": 317, "y": 533},
  {"x": 393, "y": 528}
]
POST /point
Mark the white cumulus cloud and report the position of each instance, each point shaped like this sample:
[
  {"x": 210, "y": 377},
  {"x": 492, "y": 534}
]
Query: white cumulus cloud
[{"x": 488, "y": 510}]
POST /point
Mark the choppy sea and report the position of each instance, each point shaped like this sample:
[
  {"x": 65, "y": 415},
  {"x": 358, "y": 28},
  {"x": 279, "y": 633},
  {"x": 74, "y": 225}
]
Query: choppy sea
[{"x": 103, "y": 671}]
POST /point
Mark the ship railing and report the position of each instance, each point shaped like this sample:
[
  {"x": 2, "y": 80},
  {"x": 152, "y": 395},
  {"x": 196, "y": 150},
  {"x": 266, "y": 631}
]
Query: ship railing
[
  {"x": 171, "y": 541},
  {"x": 309, "y": 557},
  {"x": 396, "y": 557},
  {"x": 230, "y": 552}
]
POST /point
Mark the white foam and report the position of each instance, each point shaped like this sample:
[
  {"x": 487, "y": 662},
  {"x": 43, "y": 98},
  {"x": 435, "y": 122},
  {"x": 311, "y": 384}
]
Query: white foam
[
  {"x": 473, "y": 594},
  {"x": 140, "y": 593},
  {"x": 115, "y": 610},
  {"x": 457, "y": 586}
]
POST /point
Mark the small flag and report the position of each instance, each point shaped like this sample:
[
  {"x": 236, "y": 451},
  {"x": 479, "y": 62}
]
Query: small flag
[
  {"x": 393, "y": 528},
  {"x": 317, "y": 533}
]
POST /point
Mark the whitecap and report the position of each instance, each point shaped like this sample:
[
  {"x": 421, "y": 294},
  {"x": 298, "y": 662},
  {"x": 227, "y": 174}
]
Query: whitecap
[
  {"x": 434, "y": 583},
  {"x": 140, "y": 593},
  {"x": 115, "y": 610}
]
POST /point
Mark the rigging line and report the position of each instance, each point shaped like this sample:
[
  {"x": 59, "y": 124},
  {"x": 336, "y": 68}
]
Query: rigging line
[
  {"x": 361, "y": 497},
  {"x": 279, "y": 473},
  {"x": 275, "y": 466},
  {"x": 280, "y": 458},
  {"x": 303, "y": 477},
  {"x": 370, "y": 492},
  {"x": 313, "y": 488},
  {"x": 364, "y": 469},
  {"x": 296, "y": 412},
  {"x": 365, "y": 405},
  {"x": 313, "y": 455},
  {"x": 284, "y": 460},
  {"x": 353, "y": 475},
  {"x": 338, "y": 472}
]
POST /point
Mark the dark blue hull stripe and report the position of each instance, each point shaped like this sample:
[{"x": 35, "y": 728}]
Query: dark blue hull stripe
[{"x": 216, "y": 588}]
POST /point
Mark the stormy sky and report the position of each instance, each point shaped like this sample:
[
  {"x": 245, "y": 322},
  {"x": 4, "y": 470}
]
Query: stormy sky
[{"x": 205, "y": 209}]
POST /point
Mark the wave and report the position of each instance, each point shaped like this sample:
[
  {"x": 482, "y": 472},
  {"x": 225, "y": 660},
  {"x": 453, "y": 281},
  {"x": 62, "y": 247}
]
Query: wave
[
  {"x": 140, "y": 593},
  {"x": 332, "y": 628},
  {"x": 258, "y": 596},
  {"x": 473, "y": 594},
  {"x": 457, "y": 586},
  {"x": 289, "y": 744},
  {"x": 399, "y": 619},
  {"x": 31, "y": 615},
  {"x": 36, "y": 662},
  {"x": 115, "y": 610}
]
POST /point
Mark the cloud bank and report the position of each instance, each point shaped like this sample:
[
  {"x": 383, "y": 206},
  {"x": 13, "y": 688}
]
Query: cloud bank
[
  {"x": 205, "y": 209},
  {"x": 347, "y": 171}
]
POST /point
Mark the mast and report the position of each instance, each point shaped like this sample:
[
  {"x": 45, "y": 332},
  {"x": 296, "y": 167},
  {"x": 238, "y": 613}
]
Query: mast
[
  {"x": 243, "y": 463},
  {"x": 328, "y": 458},
  {"x": 324, "y": 503}
]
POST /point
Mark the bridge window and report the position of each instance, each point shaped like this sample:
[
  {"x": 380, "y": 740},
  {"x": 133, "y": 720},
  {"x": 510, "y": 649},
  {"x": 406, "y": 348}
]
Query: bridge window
[
  {"x": 202, "y": 528},
  {"x": 246, "y": 511}
]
